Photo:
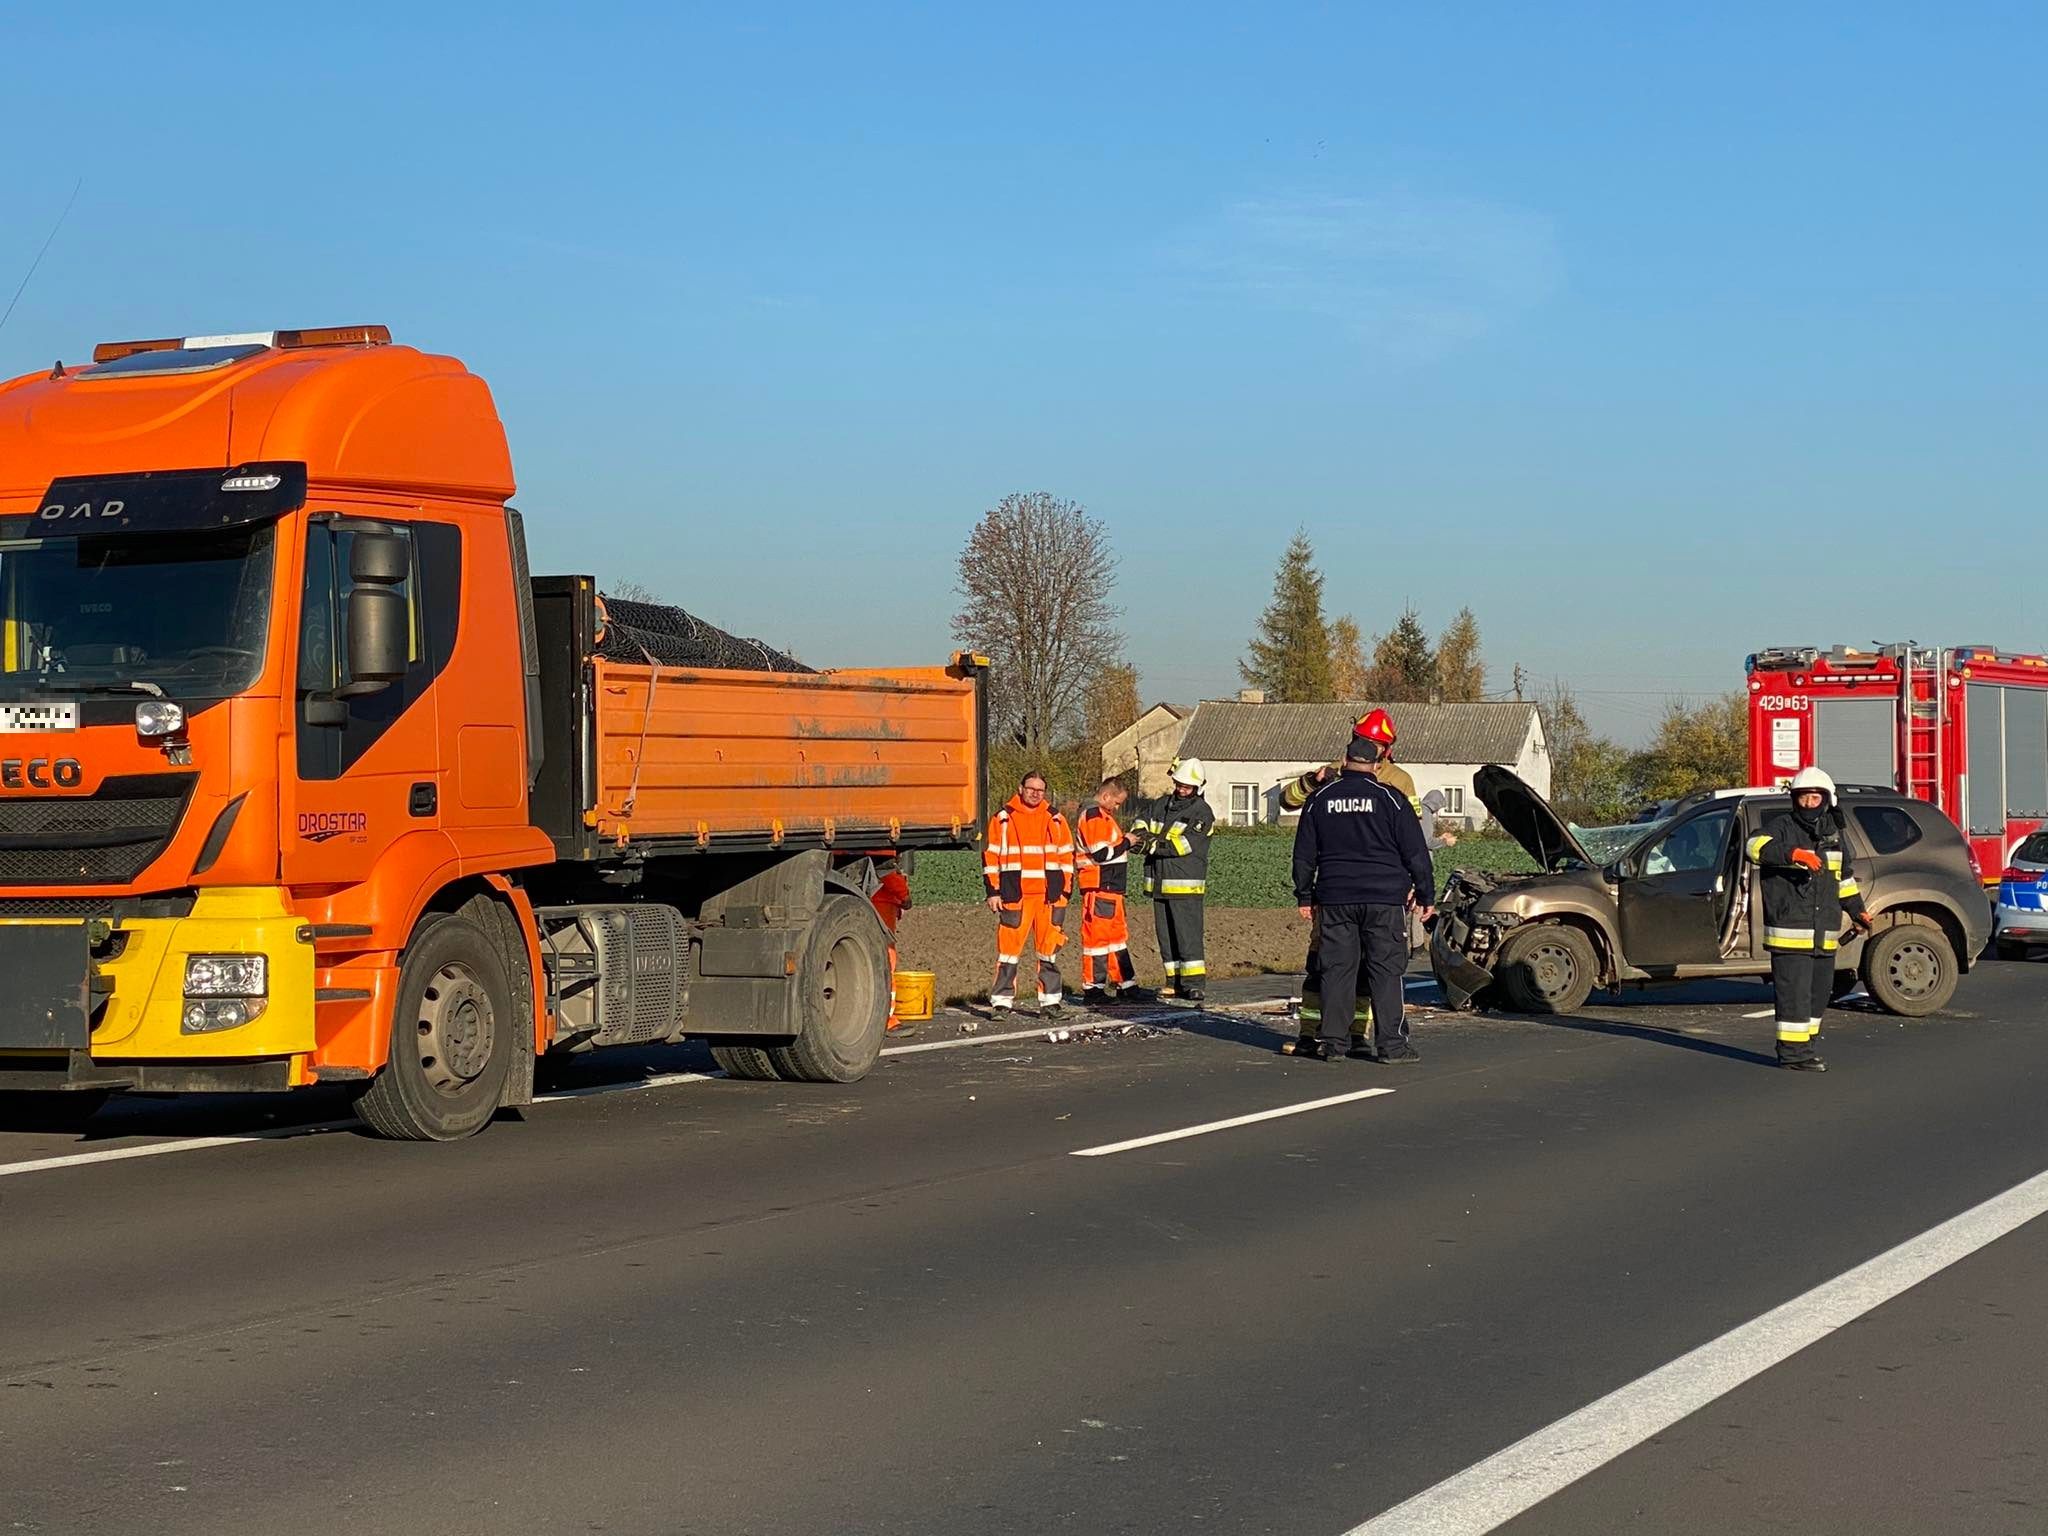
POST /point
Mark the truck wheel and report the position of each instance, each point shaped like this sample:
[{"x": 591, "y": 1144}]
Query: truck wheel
[
  {"x": 451, "y": 1038},
  {"x": 842, "y": 997},
  {"x": 750, "y": 1062},
  {"x": 1910, "y": 968},
  {"x": 1547, "y": 968},
  {"x": 49, "y": 1111}
]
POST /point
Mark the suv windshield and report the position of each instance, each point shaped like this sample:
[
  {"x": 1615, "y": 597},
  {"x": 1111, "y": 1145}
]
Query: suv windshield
[
  {"x": 186, "y": 612},
  {"x": 1606, "y": 844}
]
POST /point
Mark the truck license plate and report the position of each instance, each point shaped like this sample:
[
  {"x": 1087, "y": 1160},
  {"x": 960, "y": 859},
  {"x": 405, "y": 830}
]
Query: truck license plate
[{"x": 16, "y": 718}]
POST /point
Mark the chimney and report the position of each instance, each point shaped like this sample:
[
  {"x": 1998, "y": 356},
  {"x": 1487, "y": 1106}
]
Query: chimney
[{"x": 1251, "y": 695}]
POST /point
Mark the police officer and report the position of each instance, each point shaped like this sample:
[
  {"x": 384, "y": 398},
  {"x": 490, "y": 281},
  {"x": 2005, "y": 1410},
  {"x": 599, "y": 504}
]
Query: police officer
[
  {"x": 1808, "y": 884},
  {"x": 1359, "y": 862},
  {"x": 1378, "y": 726}
]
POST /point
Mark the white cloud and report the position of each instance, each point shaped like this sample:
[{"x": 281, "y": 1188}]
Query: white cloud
[{"x": 1413, "y": 277}]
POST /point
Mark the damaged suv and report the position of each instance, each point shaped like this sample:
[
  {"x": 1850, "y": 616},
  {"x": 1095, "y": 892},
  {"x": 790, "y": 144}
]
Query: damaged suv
[{"x": 1674, "y": 900}]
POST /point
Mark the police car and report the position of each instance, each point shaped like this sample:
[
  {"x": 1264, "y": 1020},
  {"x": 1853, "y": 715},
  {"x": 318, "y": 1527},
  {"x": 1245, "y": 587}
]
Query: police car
[{"x": 2021, "y": 921}]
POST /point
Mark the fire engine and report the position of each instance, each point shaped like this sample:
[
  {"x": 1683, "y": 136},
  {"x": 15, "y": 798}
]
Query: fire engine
[{"x": 1964, "y": 727}]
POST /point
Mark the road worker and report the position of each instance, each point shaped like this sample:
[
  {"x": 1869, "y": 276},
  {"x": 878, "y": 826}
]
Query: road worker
[
  {"x": 891, "y": 898},
  {"x": 1027, "y": 867},
  {"x": 1808, "y": 884},
  {"x": 1376, "y": 726},
  {"x": 1175, "y": 829},
  {"x": 1360, "y": 867},
  {"x": 1103, "y": 872}
]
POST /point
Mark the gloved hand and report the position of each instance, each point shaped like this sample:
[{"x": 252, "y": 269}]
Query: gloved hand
[
  {"x": 1806, "y": 858},
  {"x": 1862, "y": 920}
]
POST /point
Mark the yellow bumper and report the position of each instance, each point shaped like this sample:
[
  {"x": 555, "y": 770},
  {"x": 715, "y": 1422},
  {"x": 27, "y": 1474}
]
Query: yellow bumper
[{"x": 144, "y": 1012}]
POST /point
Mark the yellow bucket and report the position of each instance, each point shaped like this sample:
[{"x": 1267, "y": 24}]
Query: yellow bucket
[{"x": 916, "y": 992}]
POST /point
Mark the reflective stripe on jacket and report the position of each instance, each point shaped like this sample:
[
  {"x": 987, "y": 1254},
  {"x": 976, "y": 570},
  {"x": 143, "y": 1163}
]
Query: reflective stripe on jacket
[
  {"x": 1029, "y": 850},
  {"x": 1803, "y": 907},
  {"x": 1103, "y": 863},
  {"x": 1175, "y": 829}
]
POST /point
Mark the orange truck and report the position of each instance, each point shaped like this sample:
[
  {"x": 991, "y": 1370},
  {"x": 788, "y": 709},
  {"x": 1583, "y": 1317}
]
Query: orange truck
[{"x": 304, "y": 779}]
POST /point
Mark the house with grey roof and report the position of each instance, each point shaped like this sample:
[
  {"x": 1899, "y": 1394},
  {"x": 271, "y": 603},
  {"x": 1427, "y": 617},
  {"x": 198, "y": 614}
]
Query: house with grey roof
[{"x": 1251, "y": 751}]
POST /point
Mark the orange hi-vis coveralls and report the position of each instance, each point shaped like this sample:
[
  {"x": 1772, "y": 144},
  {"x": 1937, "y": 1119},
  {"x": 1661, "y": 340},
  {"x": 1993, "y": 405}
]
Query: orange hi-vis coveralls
[
  {"x": 891, "y": 897},
  {"x": 1028, "y": 862},
  {"x": 1104, "y": 874}
]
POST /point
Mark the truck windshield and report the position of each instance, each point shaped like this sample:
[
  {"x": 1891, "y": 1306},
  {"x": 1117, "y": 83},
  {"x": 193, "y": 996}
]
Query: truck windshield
[{"x": 186, "y": 612}]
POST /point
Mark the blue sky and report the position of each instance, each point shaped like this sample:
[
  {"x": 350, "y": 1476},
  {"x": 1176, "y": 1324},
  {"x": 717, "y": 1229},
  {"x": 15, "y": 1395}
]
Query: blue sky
[{"x": 1652, "y": 335}]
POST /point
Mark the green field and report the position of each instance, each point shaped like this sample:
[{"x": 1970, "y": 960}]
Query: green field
[{"x": 1246, "y": 869}]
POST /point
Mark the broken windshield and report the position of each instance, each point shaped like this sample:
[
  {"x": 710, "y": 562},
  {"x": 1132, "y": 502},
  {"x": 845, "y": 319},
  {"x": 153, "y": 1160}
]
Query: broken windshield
[
  {"x": 1606, "y": 844},
  {"x": 187, "y": 612}
]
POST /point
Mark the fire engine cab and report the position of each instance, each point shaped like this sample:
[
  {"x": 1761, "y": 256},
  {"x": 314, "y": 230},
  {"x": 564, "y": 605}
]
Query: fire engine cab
[{"x": 1964, "y": 727}]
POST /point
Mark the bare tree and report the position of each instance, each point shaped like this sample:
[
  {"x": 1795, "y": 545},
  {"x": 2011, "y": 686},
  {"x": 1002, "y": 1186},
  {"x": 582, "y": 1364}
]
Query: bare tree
[
  {"x": 1035, "y": 583},
  {"x": 631, "y": 592}
]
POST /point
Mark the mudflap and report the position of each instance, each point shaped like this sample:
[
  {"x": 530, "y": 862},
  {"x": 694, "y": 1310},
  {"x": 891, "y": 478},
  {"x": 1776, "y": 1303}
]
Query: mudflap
[
  {"x": 1461, "y": 980},
  {"x": 46, "y": 1003}
]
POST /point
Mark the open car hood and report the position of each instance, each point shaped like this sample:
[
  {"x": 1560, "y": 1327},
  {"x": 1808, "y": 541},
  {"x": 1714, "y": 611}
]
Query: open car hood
[{"x": 1528, "y": 818}]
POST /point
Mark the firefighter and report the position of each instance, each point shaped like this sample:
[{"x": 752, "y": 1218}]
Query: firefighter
[
  {"x": 1175, "y": 829},
  {"x": 891, "y": 898},
  {"x": 1808, "y": 884},
  {"x": 1376, "y": 726},
  {"x": 1103, "y": 873},
  {"x": 1027, "y": 868}
]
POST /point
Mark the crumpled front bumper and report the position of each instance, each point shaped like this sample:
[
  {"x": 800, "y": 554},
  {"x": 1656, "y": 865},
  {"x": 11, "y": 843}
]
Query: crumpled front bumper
[{"x": 1461, "y": 978}]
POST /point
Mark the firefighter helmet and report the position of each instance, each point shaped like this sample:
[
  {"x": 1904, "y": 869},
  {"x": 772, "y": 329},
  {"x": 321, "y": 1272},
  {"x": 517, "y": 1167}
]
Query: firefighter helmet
[
  {"x": 1376, "y": 725},
  {"x": 1813, "y": 778},
  {"x": 1189, "y": 771}
]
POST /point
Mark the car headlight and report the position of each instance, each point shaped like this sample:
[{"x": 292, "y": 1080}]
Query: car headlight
[
  {"x": 227, "y": 976},
  {"x": 159, "y": 717}
]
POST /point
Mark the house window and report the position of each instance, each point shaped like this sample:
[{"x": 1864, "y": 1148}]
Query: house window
[
  {"x": 1454, "y": 800},
  {"x": 1245, "y": 803}
]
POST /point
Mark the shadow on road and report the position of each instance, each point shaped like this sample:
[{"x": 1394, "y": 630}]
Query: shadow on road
[{"x": 1654, "y": 1036}]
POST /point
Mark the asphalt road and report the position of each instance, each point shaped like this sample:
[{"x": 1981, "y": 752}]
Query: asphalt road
[{"x": 906, "y": 1306}]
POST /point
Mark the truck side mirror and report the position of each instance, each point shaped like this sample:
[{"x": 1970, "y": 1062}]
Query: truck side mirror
[{"x": 378, "y": 630}]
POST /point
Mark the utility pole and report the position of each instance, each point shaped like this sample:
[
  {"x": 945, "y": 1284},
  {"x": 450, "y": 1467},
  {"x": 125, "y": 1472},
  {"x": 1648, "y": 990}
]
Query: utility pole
[{"x": 1519, "y": 675}]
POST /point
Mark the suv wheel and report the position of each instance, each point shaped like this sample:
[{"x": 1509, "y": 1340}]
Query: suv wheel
[
  {"x": 1910, "y": 967},
  {"x": 1547, "y": 968}
]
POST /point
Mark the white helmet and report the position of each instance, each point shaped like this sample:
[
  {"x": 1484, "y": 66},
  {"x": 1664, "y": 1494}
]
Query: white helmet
[
  {"x": 1813, "y": 778},
  {"x": 1189, "y": 771}
]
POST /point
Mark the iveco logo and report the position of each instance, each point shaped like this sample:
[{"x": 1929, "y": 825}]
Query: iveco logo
[{"x": 40, "y": 773}]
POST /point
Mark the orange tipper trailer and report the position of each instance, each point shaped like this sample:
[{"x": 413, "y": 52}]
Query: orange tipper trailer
[{"x": 304, "y": 780}]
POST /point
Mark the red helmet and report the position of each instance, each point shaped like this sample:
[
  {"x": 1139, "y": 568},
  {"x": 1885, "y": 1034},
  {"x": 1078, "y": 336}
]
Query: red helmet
[{"x": 1377, "y": 726}]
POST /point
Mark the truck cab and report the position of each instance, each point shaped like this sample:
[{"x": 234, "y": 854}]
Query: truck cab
[{"x": 305, "y": 779}]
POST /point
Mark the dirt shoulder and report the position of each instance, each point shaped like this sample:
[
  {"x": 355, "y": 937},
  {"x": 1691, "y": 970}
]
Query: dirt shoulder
[{"x": 958, "y": 944}]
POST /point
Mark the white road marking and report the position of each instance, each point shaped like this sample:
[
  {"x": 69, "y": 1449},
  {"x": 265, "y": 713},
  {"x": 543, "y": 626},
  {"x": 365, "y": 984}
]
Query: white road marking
[
  {"x": 164, "y": 1148},
  {"x": 592, "y": 1090},
  {"x": 962, "y": 1042},
  {"x": 1487, "y": 1495},
  {"x": 1231, "y": 1124},
  {"x": 632, "y": 1085}
]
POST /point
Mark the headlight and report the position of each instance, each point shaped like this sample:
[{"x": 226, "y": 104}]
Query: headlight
[
  {"x": 223, "y": 991},
  {"x": 227, "y": 976},
  {"x": 206, "y": 1015},
  {"x": 159, "y": 717}
]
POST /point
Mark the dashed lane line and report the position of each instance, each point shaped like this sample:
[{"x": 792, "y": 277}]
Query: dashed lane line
[
  {"x": 636, "y": 1085},
  {"x": 1232, "y": 1123}
]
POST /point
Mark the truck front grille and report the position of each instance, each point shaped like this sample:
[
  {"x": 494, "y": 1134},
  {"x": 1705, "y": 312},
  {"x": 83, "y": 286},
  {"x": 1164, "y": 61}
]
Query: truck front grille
[{"x": 105, "y": 838}]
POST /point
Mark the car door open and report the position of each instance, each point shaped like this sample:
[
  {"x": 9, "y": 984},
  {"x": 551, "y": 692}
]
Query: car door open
[{"x": 1676, "y": 894}]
